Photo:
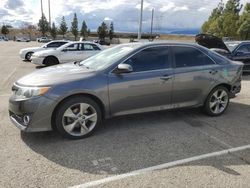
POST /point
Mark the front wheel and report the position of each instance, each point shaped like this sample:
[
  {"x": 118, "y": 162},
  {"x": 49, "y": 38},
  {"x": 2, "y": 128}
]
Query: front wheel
[
  {"x": 28, "y": 56},
  {"x": 217, "y": 101},
  {"x": 49, "y": 61},
  {"x": 78, "y": 117}
]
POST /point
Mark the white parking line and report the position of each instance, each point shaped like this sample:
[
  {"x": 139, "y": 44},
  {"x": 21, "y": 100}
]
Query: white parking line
[{"x": 161, "y": 166}]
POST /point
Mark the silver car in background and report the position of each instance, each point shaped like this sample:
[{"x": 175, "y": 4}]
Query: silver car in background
[{"x": 75, "y": 98}]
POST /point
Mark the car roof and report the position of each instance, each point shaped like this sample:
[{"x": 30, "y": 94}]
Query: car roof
[
  {"x": 59, "y": 41},
  {"x": 80, "y": 42},
  {"x": 145, "y": 44}
]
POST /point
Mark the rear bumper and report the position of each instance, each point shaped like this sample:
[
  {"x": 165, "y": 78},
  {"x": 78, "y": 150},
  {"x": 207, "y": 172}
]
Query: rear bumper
[{"x": 235, "y": 90}]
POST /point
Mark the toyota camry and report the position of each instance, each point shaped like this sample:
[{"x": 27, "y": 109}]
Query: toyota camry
[{"x": 75, "y": 98}]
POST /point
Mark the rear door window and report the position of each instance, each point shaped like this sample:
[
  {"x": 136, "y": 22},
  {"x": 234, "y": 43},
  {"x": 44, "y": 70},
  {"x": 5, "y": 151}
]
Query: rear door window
[{"x": 186, "y": 56}]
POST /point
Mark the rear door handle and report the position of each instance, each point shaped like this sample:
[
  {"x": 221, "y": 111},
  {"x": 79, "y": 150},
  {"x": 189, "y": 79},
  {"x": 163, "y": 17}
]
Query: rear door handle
[
  {"x": 166, "y": 77},
  {"x": 213, "y": 71}
]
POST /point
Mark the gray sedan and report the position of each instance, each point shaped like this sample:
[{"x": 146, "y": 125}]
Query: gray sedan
[{"x": 75, "y": 98}]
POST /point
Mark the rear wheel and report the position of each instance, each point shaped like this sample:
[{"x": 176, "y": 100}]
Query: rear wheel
[
  {"x": 217, "y": 101},
  {"x": 28, "y": 55},
  {"x": 49, "y": 61},
  {"x": 78, "y": 117}
]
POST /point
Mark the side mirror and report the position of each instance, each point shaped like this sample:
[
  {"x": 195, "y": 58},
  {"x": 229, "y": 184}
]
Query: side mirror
[
  {"x": 123, "y": 68},
  {"x": 64, "y": 50}
]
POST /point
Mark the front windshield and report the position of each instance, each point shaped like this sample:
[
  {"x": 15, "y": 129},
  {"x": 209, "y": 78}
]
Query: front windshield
[
  {"x": 108, "y": 57},
  {"x": 231, "y": 45},
  {"x": 45, "y": 45}
]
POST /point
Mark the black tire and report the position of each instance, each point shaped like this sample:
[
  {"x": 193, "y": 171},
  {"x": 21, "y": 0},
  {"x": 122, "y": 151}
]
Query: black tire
[
  {"x": 28, "y": 55},
  {"x": 59, "y": 116},
  {"x": 50, "y": 61},
  {"x": 207, "y": 107}
]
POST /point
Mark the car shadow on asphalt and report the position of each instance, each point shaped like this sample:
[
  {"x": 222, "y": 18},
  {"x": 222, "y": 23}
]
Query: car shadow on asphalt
[
  {"x": 133, "y": 142},
  {"x": 40, "y": 67}
]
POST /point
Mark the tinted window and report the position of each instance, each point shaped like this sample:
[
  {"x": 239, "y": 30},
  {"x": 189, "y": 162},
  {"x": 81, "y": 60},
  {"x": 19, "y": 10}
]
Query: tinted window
[
  {"x": 88, "y": 47},
  {"x": 95, "y": 47},
  {"x": 244, "y": 48},
  {"x": 55, "y": 44},
  {"x": 72, "y": 47},
  {"x": 150, "y": 59},
  {"x": 189, "y": 57}
]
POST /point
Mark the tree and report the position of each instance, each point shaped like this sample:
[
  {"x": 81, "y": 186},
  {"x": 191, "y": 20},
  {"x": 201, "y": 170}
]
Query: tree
[
  {"x": 89, "y": 32},
  {"x": 74, "y": 26},
  {"x": 84, "y": 30},
  {"x": 43, "y": 25},
  {"x": 5, "y": 30},
  {"x": 63, "y": 27},
  {"x": 111, "y": 31},
  {"x": 230, "y": 18},
  {"x": 213, "y": 25},
  {"x": 244, "y": 29},
  {"x": 102, "y": 31},
  {"x": 53, "y": 31}
]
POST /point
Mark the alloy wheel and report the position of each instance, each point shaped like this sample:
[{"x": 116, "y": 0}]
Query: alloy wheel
[
  {"x": 218, "y": 101},
  {"x": 79, "y": 119}
]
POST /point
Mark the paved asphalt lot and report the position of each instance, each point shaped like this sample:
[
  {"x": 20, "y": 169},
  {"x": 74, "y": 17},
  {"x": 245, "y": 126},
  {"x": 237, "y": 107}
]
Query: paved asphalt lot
[{"x": 125, "y": 144}]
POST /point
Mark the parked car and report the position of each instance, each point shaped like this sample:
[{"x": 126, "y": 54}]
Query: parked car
[
  {"x": 22, "y": 39},
  {"x": 26, "y": 53},
  {"x": 43, "y": 39},
  {"x": 3, "y": 38},
  {"x": 74, "y": 98},
  {"x": 234, "y": 50},
  {"x": 72, "y": 51}
]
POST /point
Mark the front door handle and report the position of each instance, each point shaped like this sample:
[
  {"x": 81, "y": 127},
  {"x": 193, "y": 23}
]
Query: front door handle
[
  {"x": 213, "y": 71},
  {"x": 166, "y": 77}
]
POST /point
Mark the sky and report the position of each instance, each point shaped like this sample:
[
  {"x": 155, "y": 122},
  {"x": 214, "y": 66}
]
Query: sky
[{"x": 169, "y": 14}]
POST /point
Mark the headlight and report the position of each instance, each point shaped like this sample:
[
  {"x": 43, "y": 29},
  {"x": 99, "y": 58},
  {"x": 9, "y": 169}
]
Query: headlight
[{"x": 28, "y": 92}]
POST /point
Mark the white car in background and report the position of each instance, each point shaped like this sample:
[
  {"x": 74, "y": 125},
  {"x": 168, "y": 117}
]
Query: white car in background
[
  {"x": 26, "y": 53},
  {"x": 3, "y": 38},
  {"x": 72, "y": 51},
  {"x": 43, "y": 39},
  {"x": 22, "y": 39}
]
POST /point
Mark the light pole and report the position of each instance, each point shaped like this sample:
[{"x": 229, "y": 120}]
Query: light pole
[
  {"x": 49, "y": 14},
  {"x": 152, "y": 22},
  {"x": 42, "y": 8},
  {"x": 140, "y": 21}
]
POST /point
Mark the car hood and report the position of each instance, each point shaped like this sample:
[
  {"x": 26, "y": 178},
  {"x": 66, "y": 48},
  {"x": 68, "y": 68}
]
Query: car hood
[
  {"x": 211, "y": 41},
  {"x": 31, "y": 48},
  {"x": 55, "y": 75}
]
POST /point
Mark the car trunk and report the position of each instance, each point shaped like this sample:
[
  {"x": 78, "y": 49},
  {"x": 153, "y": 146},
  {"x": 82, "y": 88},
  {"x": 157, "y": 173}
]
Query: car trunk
[{"x": 211, "y": 41}]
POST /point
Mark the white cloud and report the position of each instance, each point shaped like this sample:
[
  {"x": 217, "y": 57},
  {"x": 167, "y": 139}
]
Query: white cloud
[
  {"x": 202, "y": 9},
  {"x": 169, "y": 6},
  {"x": 173, "y": 7}
]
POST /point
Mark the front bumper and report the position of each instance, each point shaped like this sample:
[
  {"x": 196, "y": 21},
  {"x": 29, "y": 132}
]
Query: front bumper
[
  {"x": 37, "y": 60},
  {"x": 22, "y": 55},
  {"x": 38, "y": 109}
]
